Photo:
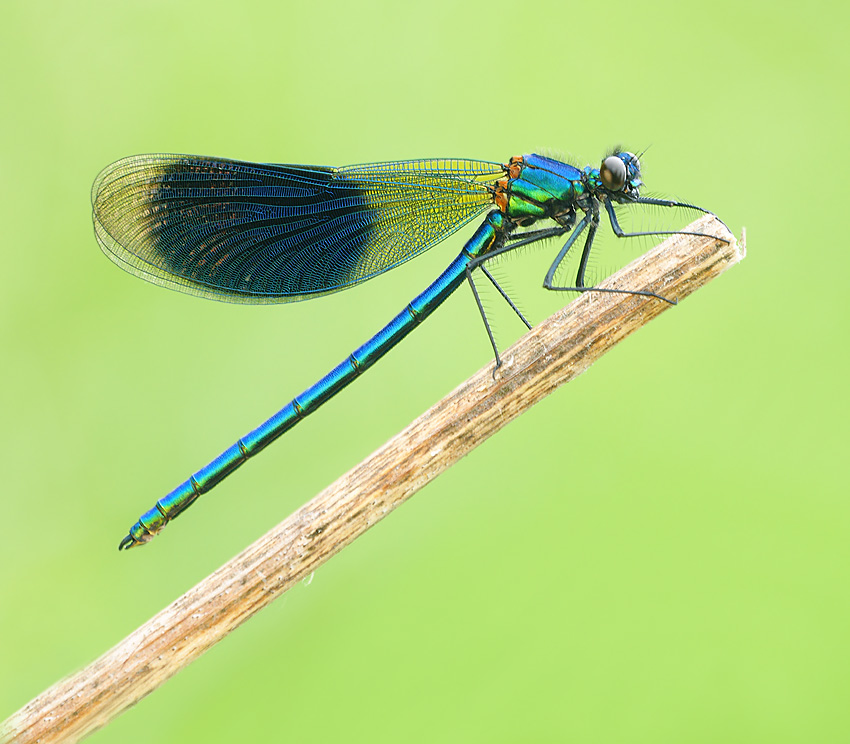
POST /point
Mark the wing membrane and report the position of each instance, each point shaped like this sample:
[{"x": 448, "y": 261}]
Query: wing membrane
[{"x": 263, "y": 233}]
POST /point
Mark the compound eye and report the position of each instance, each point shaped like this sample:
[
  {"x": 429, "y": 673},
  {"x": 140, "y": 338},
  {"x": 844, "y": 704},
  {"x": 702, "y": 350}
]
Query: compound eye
[{"x": 613, "y": 173}]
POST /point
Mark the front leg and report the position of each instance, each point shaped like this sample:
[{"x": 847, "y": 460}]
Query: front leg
[
  {"x": 618, "y": 231},
  {"x": 593, "y": 221}
]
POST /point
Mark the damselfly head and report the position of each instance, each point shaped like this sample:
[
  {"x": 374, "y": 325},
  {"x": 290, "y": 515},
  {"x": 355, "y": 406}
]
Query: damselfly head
[{"x": 620, "y": 175}]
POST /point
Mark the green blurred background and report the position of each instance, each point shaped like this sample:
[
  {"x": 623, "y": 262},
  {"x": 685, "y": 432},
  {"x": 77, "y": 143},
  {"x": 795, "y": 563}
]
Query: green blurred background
[{"x": 656, "y": 553}]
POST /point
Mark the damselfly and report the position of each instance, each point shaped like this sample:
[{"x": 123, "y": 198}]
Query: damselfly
[{"x": 261, "y": 233}]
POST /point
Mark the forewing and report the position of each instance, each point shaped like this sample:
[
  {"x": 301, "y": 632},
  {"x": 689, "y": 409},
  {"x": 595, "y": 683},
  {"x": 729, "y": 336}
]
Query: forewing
[{"x": 262, "y": 233}]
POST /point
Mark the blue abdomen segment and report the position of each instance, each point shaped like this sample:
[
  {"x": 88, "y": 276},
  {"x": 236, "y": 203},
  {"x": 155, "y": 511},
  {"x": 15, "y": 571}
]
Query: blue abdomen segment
[{"x": 486, "y": 237}]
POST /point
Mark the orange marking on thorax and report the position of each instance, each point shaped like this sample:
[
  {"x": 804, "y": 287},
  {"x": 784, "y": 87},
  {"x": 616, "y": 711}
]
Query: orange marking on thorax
[
  {"x": 501, "y": 193},
  {"x": 515, "y": 166}
]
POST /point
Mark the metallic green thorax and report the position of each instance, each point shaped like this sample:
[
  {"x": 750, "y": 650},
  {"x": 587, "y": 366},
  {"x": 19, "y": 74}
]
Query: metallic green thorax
[{"x": 543, "y": 188}]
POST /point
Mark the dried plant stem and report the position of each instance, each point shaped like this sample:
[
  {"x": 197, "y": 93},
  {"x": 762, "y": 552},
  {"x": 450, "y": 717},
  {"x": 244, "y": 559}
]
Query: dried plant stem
[{"x": 545, "y": 358}]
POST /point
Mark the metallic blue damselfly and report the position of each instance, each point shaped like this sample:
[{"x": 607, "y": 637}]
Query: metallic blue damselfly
[{"x": 262, "y": 233}]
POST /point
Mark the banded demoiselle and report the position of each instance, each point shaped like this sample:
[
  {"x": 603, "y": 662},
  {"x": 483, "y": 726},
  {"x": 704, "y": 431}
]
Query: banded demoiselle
[{"x": 262, "y": 233}]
